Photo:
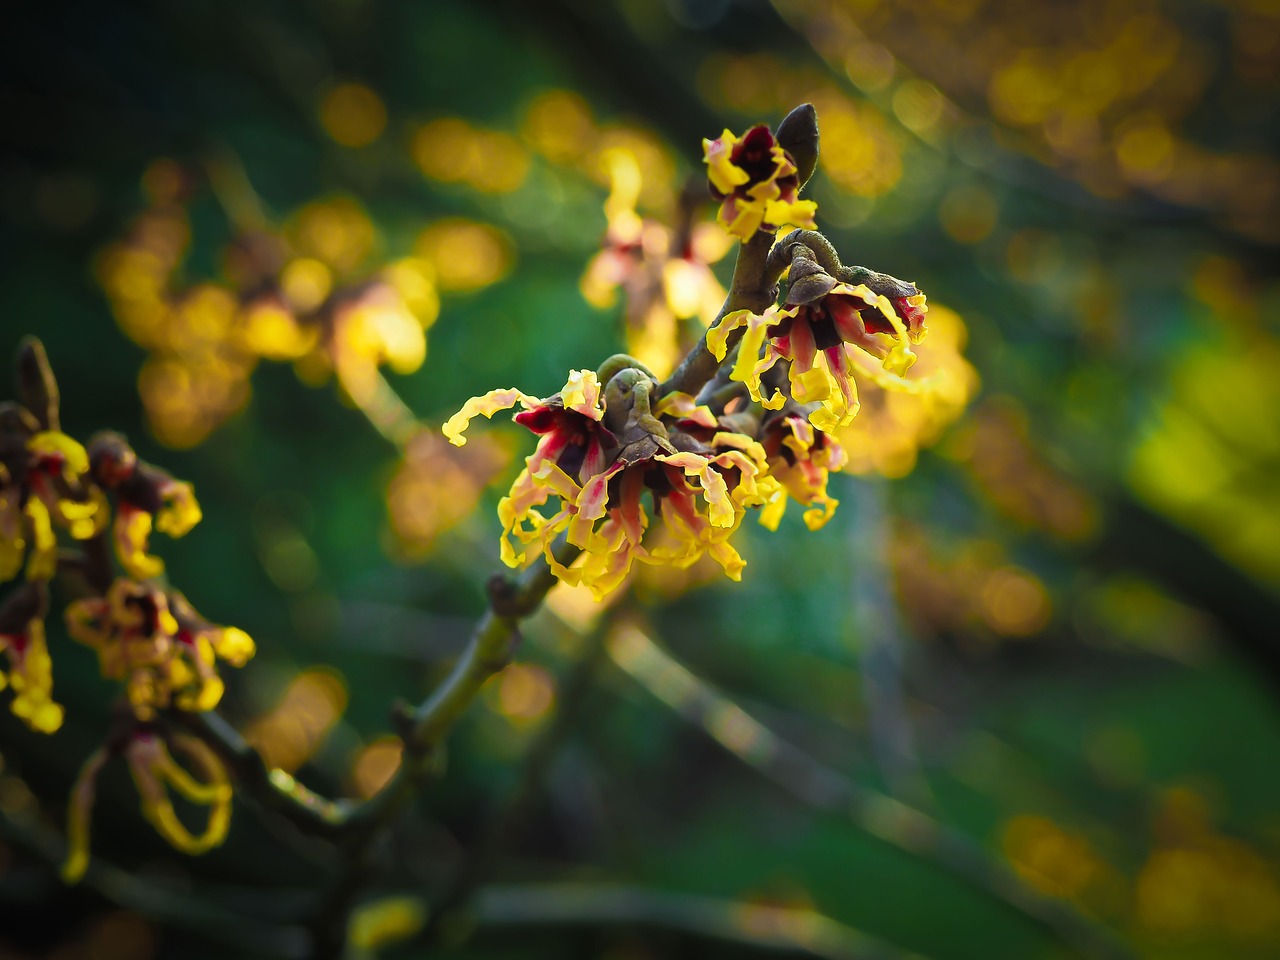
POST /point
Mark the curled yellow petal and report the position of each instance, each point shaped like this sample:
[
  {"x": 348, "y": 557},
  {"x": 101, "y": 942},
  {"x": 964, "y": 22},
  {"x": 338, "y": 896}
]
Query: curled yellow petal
[
  {"x": 180, "y": 512},
  {"x": 79, "y": 816},
  {"x": 487, "y": 405}
]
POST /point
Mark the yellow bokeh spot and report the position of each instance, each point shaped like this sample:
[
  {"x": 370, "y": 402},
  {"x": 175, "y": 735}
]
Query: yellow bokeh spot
[
  {"x": 558, "y": 125},
  {"x": 383, "y": 923},
  {"x": 415, "y": 280},
  {"x": 919, "y": 105},
  {"x": 291, "y": 734},
  {"x": 1145, "y": 150},
  {"x": 306, "y": 283},
  {"x": 453, "y": 151},
  {"x": 1014, "y": 602},
  {"x": 968, "y": 213},
  {"x": 376, "y": 764},
  {"x": 526, "y": 692},
  {"x": 465, "y": 255},
  {"x": 337, "y": 232},
  {"x": 353, "y": 114}
]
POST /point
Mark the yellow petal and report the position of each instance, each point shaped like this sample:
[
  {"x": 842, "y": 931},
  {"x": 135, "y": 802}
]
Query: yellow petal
[{"x": 486, "y": 405}]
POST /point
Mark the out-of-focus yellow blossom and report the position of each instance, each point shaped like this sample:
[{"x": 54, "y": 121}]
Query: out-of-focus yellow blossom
[
  {"x": 337, "y": 232},
  {"x": 30, "y": 673},
  {"x": 436, "y": 487},
  {"x": 158, "y": 645},
  {"x": 384, "y": 923},
  {"x": 452, "y": 150},
  {"x": 756, "y": 183},
  {"x": 665, "y": 275},
  {"x": 816, "y": 336},
  {"x": 465, "y": 255},
  {"x": 155, "y": 772},
  {"x": 369, "y": 328},
  {"x": 1199, "y": 460},
  {"x": 1196, "y": 880},
  {"x": 1054, "y": 861},
  {"x": 295, "y": 729},
  {"x": 997, "y": 449},
  {"x": 353, "y": 114},
  {"x": 972, "y": 591},
  {"x": 894, "y": 424}
]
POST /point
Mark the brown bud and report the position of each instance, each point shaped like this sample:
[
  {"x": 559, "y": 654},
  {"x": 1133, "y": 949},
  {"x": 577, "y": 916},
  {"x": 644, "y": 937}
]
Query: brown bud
[
  {"x": 111, "y": 459},
  {"x": 37, "y": 388},
  {"x": 798, "y": 135}
]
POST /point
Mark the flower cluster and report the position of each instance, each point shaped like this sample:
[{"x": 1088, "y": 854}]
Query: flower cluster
[
  {"x": 756, "y": 182},
  {"x": 147, "y": 635},
  {"x": 299, "y": 294},
  {"x": 819, "y": 324},
  {"x": 633, "y": 468},
  {"x": 611, "y": 461}
]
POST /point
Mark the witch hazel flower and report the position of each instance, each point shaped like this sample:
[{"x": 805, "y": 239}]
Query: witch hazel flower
[
  {"x": 606, "y": 466},
  {"x": 821, "y": 321},
  {"x": 756, "y": 182}
]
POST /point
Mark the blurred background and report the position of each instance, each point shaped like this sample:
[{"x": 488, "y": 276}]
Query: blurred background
[{"x": 275, "y": 243}]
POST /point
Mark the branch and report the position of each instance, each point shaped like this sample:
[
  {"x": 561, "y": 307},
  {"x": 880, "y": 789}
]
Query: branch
[
  {"x": 272, "y": 790},
  {"x": 912, "y": 831},
  {"x": 785, "y": 929},
  {"x": 423, "y": 729},
  {"x": 461, "y": 886},
  {"x": 182, "y": 908},
  {"x": 754, "y": 287}
]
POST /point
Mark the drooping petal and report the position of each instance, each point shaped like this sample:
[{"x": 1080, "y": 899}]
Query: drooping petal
[{"x": 487, "y": 405}]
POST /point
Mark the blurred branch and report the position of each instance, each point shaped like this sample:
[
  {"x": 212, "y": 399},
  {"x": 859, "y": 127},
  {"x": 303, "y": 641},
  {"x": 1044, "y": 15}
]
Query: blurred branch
[
  {"x": 388, "y": 414},
  {"x": 461, "y": 886},
  {"x": 423, "y": 730},
  {"x": 184, "y": 909},
  {"x": 796, "y": 930},
  {"x": 804, "y": 777},
  {"x": 878, "y": 634}
]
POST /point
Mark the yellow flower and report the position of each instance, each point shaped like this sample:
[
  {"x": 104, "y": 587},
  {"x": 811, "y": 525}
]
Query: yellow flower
[
  {"x": 701, "y": 480},
  {"x": 147, "y": 498},
  {"x": 816, "y": 337},
  {"x": 800, "y": 459},
  {"x": 42, "y": 483},
  {"x": 756, "y": 182},
  {"x": 156, "y": 642},
  {"x": 155, "y": 772},
  {"x": 30, "y": 673}
]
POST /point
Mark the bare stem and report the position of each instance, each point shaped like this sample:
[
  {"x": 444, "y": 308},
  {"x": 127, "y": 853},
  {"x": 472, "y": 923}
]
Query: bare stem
[
  {"x": 788, "y": 929},
  {"x": 754, "y": 287}
]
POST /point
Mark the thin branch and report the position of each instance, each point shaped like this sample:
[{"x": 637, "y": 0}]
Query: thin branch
[
  {"x": 795, "y": 930},
  {"x": 878, "y": 634},
  {"x": 754, "y": 287},
  {"x": 423, "y": 729},
  {"x": 461, "y": 886},
  {"x": 272, "y": 790},
  {"x": 809, "y": 780},
  {"x": 182, "y": 908}
]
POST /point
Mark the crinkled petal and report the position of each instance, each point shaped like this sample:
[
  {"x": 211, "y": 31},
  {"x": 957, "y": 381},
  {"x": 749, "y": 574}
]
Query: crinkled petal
[{"x": 487, "y": 405}]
